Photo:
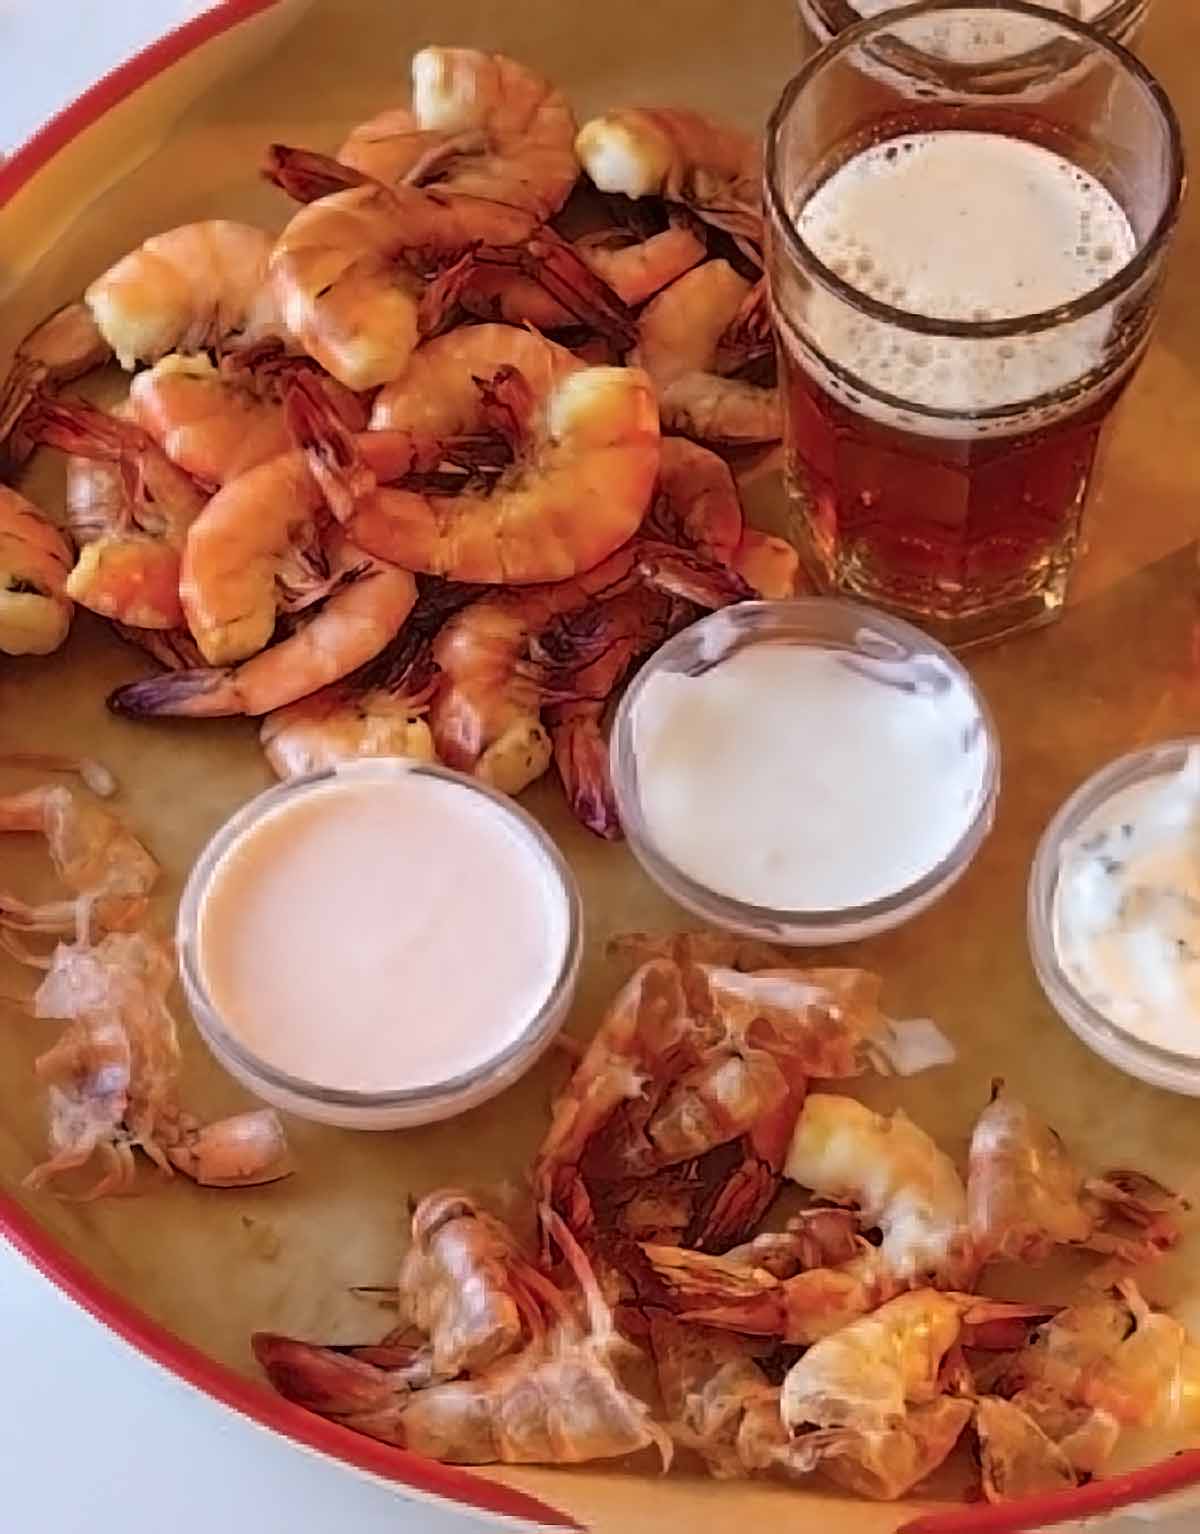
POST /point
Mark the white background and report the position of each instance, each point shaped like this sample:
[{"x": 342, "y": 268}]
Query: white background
[{"x": 93, "y": 1439}]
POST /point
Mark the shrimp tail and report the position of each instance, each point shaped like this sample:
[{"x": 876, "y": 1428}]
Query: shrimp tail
[
  {"x": 685, "y": 575},
  {"x": 204, "y": 692},
  {"x": 557, "y": 267},
  {"x": 321, "y": 1379},
  {"x": 581, "y": 757},
  {"x": 306, "y": 175}
]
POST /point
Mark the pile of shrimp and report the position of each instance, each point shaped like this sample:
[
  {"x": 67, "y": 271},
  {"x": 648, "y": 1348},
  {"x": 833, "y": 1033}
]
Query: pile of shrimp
[
  {"x": 112, "y": 1077},
  {"x": 426, "y": 470},
  {"x": 856, "y": 1340}
]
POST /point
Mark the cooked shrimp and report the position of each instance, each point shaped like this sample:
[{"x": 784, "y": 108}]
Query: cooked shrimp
[
  {"x": 1025, "y": 1195},
  {"x": 685, "y": 157},
  {"x": 586, "y": 445},
  {"x": 192, "y": 287},
  {"x": 633, "y": 269},
  {"x": 368, "y": 602},
  {"x": 59, "y": 350},
  {"x": 216, "y": 423},
  {"x": 35, "y": 563},
  {"x": 896, "y": 1176},
  {"x": 866, "y": 1403},
  {"x": 108, "y": 870},
  {"x": 377, "y": 710},
  {"x": 113, "y": 1076},
  {"x": 679, "y": 336},
  {"x": 481, "y": 125},
  {"x": 558, "y": 1401},
  {"x": 122, "y": 484}
]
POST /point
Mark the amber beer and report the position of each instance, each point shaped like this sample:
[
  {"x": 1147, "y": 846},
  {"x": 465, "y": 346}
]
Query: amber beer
[{"x": 959, "y": 303}]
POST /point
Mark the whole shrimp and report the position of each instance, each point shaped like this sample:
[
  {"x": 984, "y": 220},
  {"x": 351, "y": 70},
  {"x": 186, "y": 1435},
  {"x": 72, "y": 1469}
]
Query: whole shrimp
[
  {"x": 113, "y": 1076},
  {"x": 35, "y": 564},
  {"x": 557, "y": 1401},
  {"x": 680, "y": 337},
  {"x": 866, "y": 1404},
  {"x": 131, "y": 508},
  {"x": 633, "y": 269},
  {"x": 1025, "y": 1195},
  {"x": 684, "y": 157},
  {"x": 482, "y": 125},
  {"x": 55, "y": 352},
  {"x": 586, "y": 453},
  {"x": 108, "y": 870},
  {"x": 378, "y": 710},
  {"x": 897, "y": 1177},
  {"x": 217, "y": 422},
  {"x": 192, "y": 287},
  {"x": 485, "y": 715},
  {"x": 686, "y": 1061}
]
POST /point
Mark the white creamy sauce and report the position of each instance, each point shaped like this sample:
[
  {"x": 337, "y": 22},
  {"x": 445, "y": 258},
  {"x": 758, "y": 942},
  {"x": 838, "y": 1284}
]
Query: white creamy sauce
[
  {"x": 381, "y": 934},
  {"x": 962, "y": 226},
  {"x": 1126, "y": 917},
  {"x": 808, "y": 779}
]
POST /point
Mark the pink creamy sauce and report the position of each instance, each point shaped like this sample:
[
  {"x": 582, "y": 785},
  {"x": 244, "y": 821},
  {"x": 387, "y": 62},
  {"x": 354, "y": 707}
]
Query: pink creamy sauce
[{"x": 381, "y": 934}]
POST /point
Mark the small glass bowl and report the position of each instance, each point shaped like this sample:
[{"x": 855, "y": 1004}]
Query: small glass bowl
[
  {"x": 404, "y": 1107},
  {"x": 830, "y": 624},
  {"x": 1148, "y": 1062}
]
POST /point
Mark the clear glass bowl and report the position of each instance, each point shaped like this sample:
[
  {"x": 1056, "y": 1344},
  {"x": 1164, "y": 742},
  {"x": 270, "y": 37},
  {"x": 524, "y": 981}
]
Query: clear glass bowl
[
  {"x": 827, "y": 624},
  {"x": 1159, "y": 1067},
  {"x": 401, "y": 1108}
]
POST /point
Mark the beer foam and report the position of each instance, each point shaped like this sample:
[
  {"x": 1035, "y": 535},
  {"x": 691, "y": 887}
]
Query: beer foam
[
  {"x": 1081, "y": 10},
  {"x": 962, "y": 226}
]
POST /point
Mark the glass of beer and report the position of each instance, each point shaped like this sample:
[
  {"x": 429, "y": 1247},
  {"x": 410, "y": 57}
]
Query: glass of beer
[
  {"x": 1119, "y": 19},
  {"x": 964, "y": 260}
]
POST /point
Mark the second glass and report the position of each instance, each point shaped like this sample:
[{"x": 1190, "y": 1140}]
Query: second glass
[
  {"x": 1119, "y": 19},
  {"x": 965, "y": 261}
]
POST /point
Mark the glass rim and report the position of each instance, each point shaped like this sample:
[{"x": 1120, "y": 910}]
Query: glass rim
[
  {"x": 223, "y": 1041},
  {"x": 764, "y": 622},
  {"x": 1041, "y": 320},
  {"x": 1091, "y": 1025},
  {"x": 1124, "y": 9}
]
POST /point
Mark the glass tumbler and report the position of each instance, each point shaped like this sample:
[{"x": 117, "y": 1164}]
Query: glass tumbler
[
  {"x": 940, "y": 448},
  {"x": 1119, "y": 19}
]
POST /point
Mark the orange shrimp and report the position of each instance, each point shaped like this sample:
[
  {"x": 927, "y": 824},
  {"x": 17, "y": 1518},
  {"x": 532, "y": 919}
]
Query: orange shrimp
[
  {"x": 35, "y": 563},
  {"x": 685, "y": 157},
  {"x": 680, "y": 334},
  {"x": 482, "y": 125},
  {"x": 133, "y": 508},
  {"x": 586, "y": 454}
]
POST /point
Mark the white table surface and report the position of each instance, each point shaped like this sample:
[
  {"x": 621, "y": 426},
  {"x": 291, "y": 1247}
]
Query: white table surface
[{"x": 94, "y": 1439}]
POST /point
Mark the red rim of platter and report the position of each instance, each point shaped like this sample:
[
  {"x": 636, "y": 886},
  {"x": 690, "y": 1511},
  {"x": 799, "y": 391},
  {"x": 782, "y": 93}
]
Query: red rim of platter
[{"x": 257, "y": 1402}]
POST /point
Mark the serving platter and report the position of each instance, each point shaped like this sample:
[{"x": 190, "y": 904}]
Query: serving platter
[{"x": 186, "y": 1274}]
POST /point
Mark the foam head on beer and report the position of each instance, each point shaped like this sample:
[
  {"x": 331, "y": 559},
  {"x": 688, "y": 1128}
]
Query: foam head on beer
[{"x": 962, "y": 226}]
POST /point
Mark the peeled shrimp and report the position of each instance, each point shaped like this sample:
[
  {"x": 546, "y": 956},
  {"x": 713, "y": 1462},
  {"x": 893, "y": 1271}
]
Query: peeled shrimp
[
  {"x": 866, "y": 1403},
  {"x": 108, "y": 870},
  {"x": 1025, "y": 1195},
  {"x": 35, "y": 562},
  {"x": 113, "y": 1076},
  {"x": 680, "y": 334},
  {"x": 481, "y": 125},
  {"x": 586, "y": 446},
  {"x": 378, "y": 710},
  {"x": 192, "y": 287},
  {"x": 682, "y": 156},
  {"x": 557, "y": 1401},
  {"x": 216, "y": 423},
  {"x": 135, "y": 506},
  {"x": 894, "y": 1174},
  {"x": 58, "y": 350}
]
